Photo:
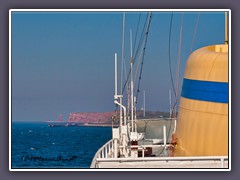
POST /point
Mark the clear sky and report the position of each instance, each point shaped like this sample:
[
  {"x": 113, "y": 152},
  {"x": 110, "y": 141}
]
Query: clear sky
[{"x": 63, "y": 62}]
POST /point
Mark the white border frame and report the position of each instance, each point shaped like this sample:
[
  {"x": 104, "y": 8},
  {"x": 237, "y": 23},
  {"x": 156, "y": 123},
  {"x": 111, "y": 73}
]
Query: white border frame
[{"x": 118, "y": 10}]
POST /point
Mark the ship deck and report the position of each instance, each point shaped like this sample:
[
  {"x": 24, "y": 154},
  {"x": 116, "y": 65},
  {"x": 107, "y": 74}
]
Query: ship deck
[{"x": 164, "y": 162}]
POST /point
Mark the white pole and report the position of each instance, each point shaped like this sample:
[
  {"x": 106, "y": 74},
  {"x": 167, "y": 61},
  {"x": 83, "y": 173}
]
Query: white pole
[
  {"x": 115, "y": 95},
  {"x": 135, "y": 113},
  {"x": 123, "y": 31},
  {"x": 131, "y": 81},
  {"x": 175, "y": 126},
  {"x": 135, "y": 107},
  {"x": 170, "y": 102},
  {"x": 144, "y": 103},
  {"x": 121, "y": 89},
  {"x": 115, "y": 148},
  {"x": 132, "y": 104},
  {"x": 164, "y": 136},
  {"x": 120, "y": 112},
  {"x": 128, "y": 100}
]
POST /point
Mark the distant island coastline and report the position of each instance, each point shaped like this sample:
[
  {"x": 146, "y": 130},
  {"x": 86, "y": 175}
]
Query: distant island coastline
[{"x": 101, "y": 118}]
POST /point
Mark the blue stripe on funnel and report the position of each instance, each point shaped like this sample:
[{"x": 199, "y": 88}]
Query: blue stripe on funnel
[{"x": 205, "y": 90}]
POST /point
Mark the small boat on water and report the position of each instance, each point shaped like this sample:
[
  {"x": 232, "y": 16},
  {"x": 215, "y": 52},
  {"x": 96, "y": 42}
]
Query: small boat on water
[
  {"x": 71, "y": 124},
  {"x": 196, "y": 138},
  {"x": 54, "y": 125},
  {"x": 57, "y": 123}
]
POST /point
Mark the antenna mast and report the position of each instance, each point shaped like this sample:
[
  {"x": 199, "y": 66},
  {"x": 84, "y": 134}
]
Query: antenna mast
[
  {"x": 170, "y": 102},
  {"x": 121, "y": 89},
  {"x": 131, "y": 62},
  {"x": 144, "y": 104}
]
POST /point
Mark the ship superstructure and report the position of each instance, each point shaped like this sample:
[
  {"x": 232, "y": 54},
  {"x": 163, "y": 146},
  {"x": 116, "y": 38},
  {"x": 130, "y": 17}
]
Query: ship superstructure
[{"x": 196, "y": 138}]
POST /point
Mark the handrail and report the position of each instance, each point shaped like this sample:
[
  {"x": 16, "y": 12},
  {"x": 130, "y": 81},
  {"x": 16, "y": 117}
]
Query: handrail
[
  {"x": 108, "y": 150},
  {"x": 190, "y": 159},
  {"x": 157, "y": 119},
  {"x": 109, "y": 153}
]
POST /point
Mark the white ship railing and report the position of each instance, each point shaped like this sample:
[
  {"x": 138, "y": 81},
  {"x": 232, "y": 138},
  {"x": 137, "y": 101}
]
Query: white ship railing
[
  {"x": 157, "y": 119},
  {"x": 166, "y": 162},
  {"x": 108, "y": 150}
]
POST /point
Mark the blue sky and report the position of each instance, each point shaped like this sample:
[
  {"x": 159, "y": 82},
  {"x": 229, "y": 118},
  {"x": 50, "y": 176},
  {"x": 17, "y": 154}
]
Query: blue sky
[{"x": 63, "y": 62}]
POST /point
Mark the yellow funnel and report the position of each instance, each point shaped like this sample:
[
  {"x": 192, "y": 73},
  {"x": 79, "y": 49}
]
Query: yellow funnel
[{"x": 202, "y": 127}]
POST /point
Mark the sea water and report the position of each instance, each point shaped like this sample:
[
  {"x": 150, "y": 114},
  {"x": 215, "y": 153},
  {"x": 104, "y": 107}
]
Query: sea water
[{"x": 36, "y": 145}]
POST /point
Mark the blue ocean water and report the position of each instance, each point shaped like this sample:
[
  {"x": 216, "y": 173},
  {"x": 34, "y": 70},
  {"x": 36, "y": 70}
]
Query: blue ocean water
[{"x": 36, "y": 145}]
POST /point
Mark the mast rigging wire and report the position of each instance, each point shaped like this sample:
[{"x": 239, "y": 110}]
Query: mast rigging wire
[
  {"x": 141, "y": 39},
  {"x": 137, "y": 31},
  {"x": 169, "y": 54},
  {"x": 191, "y": 48},
  {"x": 194, "y": 34},
  {"x": 178, "y": 65},
  {"x": 140, "y": 54},
  {"x": 143, "y": 54},
  {"x": 177, "y": 74}
]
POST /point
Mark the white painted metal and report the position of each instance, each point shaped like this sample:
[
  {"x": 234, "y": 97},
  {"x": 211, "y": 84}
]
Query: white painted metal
[
  {"x": 135, "y": 114},
  {"x": 115, "y": 133},
  {"x": 131, "y": 64},
  {"x": 164, "y": 136},
  {"x": 133, "y": 136},
  {"x": 115, "y": 148},
  {"x": 153, "y": 145},
  {"x": 170, "y": 103},
  {"x": 189, "y": 158},
  {"x": 109, "y": 150},
  {"x": 175, "y": 126},
  {"x": 144, "y": 104},
  {"x": 124, "y": 111},
  {"x": 123, "y": 32},
  {"x": 165, "y": 162},
  {"x": 107, "y": 156},
  {"x": 131, "y": 105},
  {"x": 157, "y": 119},
  {"x": 115, "y": 95},
  {"x": 121, "y": 88}
]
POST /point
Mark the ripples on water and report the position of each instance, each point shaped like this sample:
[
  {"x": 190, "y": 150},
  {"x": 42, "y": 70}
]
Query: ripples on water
[{"x": 39, "y": 140}]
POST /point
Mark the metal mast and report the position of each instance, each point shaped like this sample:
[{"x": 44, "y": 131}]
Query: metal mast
[
  {"x": 121, "y": 89},
  {"x": 131, "y": 64}
]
